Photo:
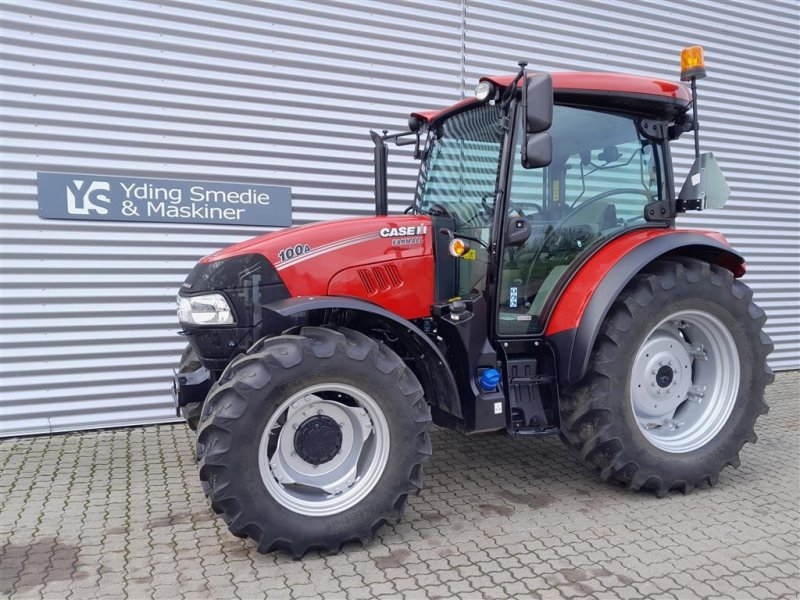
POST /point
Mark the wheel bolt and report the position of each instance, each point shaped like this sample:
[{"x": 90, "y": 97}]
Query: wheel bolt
[
  {"x": 319, "y": 412},
  {"x": 341, "y": 424}
]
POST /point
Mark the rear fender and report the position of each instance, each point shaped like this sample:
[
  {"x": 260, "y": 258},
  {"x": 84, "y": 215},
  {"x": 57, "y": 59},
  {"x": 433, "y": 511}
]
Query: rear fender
[
  {"x": 419, "y": 351},
  {"x": 579, "y": 312}
]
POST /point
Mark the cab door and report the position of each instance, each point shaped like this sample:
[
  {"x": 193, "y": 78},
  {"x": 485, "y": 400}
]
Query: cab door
[{"x": 603, "y": 173}]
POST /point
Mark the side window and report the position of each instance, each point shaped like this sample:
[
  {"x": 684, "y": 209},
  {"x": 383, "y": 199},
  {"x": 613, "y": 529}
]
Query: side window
[{"x": 622, "y": 176}]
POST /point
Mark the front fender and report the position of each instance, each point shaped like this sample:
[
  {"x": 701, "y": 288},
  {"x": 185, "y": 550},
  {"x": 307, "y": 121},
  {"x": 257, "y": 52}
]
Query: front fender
[
  {"x": 585, "y": 301},
  {"x": 427, "y": 360}
]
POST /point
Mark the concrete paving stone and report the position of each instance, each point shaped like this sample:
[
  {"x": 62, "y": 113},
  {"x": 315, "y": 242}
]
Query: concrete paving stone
[
  {"x": 359, "y": 593},
  {"x": 123, "y": 515}
]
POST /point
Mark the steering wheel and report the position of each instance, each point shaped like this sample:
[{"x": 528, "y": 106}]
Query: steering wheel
[
  {"x": 590, "y": 201},
  {"x": 608, "y": 194},
  {"x": 438, "y": 209},
  {"x": 531, "y": 208}
]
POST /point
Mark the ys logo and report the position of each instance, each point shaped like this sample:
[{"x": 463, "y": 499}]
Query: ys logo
[{"x": 86, "y": 197}]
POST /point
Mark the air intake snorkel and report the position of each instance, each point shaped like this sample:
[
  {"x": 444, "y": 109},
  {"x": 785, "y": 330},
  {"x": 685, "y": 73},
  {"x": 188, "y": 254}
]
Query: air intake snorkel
[{"x": 381, "y": 161}]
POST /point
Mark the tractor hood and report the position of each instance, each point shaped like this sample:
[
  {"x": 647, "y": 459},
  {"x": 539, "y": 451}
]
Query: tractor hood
[{"x": 386, "y": 260}]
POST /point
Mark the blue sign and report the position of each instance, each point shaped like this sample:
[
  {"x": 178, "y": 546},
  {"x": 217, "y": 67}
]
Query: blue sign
[{"x": 104, "y": 198}]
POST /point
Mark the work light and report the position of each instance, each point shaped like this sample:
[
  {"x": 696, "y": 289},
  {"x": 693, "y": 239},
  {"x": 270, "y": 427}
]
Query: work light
[{"x": 484, "y": 91}]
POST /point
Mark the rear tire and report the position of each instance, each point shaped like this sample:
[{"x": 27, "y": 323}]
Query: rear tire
[
  {"x": 675, "y": 382},
  {"x": 274, "y": 436}
]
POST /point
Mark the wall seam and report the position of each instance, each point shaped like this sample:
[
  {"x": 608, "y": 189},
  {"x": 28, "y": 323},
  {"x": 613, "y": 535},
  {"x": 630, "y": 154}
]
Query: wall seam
[{"x": 463, "y": 57}]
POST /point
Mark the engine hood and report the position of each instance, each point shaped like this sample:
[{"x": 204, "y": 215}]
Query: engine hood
[{"x": 385, "y": 260}]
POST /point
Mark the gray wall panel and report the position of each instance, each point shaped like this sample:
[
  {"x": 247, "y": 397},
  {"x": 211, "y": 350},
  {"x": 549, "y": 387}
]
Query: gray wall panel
[{"x": 284, "y": 93}]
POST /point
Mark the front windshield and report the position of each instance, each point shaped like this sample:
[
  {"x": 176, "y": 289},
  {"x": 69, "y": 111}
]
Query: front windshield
[
  {"x": 458, "y": 179},
  {"x": 459, "y": 176}
]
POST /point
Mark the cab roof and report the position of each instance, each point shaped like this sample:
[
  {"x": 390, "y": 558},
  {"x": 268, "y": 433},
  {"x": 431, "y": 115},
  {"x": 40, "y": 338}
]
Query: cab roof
[{"x": 633, "y": 93}]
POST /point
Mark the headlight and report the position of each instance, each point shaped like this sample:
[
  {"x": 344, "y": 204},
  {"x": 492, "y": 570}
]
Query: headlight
[{"x": 208, "y": 309}]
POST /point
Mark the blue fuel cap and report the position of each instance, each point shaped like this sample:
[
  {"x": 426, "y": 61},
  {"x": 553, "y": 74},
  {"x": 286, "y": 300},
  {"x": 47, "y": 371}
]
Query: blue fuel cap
[{"x": 489, "y": 380}]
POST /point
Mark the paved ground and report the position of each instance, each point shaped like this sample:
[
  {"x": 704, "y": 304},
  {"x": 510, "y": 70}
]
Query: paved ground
[{"x": 120, "y": 514}]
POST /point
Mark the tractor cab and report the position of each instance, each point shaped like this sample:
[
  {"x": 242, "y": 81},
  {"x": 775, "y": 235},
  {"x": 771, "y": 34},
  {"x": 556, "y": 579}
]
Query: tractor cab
[{"x": 605, "y": 168}]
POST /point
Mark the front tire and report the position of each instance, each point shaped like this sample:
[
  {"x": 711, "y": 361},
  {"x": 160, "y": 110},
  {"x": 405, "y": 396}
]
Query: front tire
[
  {"x": 675, "y": 382},
  {"x": 313, "y": 440}
]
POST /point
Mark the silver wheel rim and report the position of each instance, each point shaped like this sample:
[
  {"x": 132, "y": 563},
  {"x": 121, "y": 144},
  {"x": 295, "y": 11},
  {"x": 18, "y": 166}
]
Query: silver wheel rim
[
  {"x": 340, "y": 482},
  {"x": 684, "y": 381}
]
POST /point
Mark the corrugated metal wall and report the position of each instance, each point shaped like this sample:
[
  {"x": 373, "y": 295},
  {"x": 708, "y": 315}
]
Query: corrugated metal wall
[{"x": 284, "y": 93}]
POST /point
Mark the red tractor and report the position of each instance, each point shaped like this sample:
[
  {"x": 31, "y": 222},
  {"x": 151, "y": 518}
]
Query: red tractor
[{"x": 536, "y": 285}]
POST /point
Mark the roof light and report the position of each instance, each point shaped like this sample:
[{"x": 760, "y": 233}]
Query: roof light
[
  {"x": 458, "y": 247},
  {"x": 484, "y": 91},
  {"x": 692, "y": 63}
]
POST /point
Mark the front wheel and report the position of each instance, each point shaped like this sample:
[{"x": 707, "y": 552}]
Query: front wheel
[
  {"x": 313, "y": 440},
  {"x": 676, "y": 380}
]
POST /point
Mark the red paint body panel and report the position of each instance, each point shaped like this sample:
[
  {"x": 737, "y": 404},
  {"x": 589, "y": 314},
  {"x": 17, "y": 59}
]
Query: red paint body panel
[
  {"x": 575, "y": 298},
  {"x": 337, "y": 250},
  {"x": 583, "y": 81},
  {"x": 399, "y": 286},
  {"x": 608, "y": 82}
]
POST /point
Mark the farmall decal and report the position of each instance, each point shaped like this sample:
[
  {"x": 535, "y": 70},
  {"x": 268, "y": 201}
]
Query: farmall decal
[{"x": 405, "y": 236}]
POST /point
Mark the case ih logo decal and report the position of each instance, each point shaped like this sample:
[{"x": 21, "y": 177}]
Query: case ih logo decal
[
  {"x": 107, "y": 198},
  {"x": 405, "y": 236},
  {"x": 402, "y": 231}
]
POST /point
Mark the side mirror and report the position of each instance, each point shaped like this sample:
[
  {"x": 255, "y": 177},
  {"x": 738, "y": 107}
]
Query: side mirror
[
  {"x": 538, "y": 150},
  {"x": 537, "y": 102},
  {"x": 518, "y": 232},
  {"x": 705, "y": 185},
  {"x": 537, "y": 116}
]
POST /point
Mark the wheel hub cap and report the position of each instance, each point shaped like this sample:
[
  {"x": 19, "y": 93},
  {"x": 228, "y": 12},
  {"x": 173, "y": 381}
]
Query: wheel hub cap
[
  {"x": 664, "y": 376},
  {"x": 318, "y": 439}
]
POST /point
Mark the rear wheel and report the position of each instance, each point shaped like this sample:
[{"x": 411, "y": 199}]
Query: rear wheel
[
  {"x": 313, "y": 440},
  {"x": 675, "y": 382}
]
